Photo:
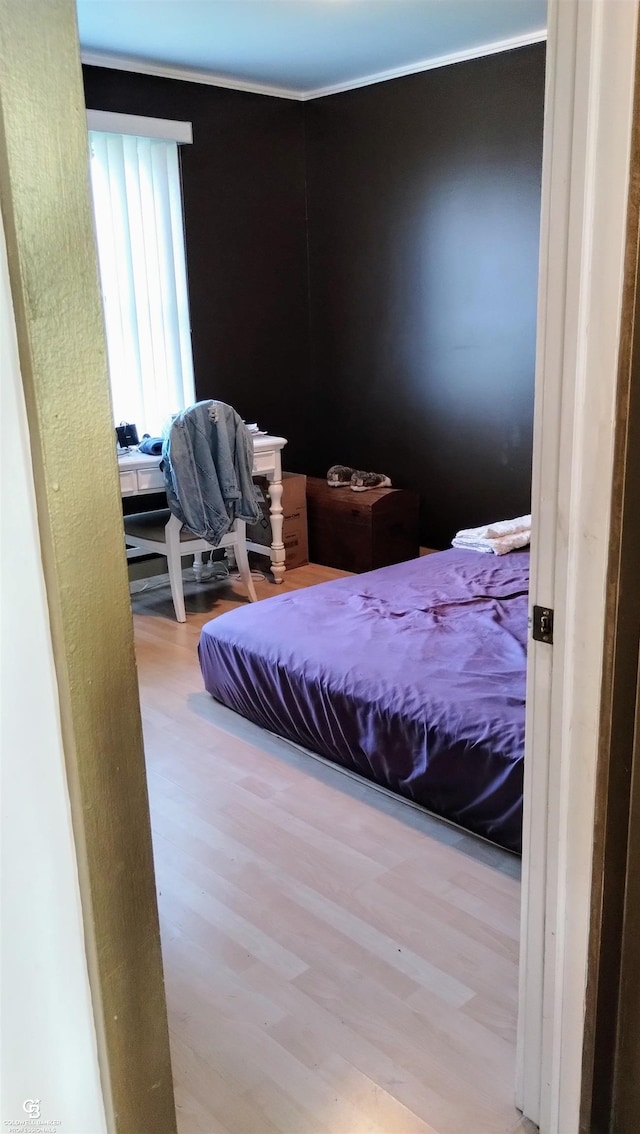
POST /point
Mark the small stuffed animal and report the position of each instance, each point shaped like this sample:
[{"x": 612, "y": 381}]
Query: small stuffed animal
[
  {"x": 361, "y": 481},
  {"x": 343, "y": 476},
  {"x": 339, "y": 476}
]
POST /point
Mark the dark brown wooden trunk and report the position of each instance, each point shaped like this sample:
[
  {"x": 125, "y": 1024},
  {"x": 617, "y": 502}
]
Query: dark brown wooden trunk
[{"x": 359, "y": 531}]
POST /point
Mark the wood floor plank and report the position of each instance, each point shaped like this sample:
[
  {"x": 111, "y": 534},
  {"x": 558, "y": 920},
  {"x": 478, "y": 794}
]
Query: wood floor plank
[
  {"x": 259, "y": 943},
  {"x": 453, "y": 948},
  {"x": 359, "y": 830},
  {"x": 335, "y": 961},
  {"x": 497, "y": 907},
  {"x": 431, "y": 1056},
  {"x": 498, "y": 1018},
  {"x": 372, "y": 1099},
  {"x": 490, "y": 923},
  {"x": 270, "y": 900},
  {"x": 310, "y": 1030},
  {"x": 375, "y": 948},
  {"x": 285, "y": 1112},
  {"x": 230, "y": 1110}
]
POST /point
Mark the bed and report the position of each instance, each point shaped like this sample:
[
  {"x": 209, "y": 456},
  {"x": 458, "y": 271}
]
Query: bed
[{"x": 412, "y": 676}]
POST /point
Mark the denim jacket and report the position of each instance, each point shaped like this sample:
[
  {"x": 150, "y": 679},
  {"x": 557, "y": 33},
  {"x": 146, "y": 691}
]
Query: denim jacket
[{"x": 208, "y": 458}]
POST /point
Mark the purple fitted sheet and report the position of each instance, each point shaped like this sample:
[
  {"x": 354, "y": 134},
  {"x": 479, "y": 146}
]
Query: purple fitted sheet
[{"x": 412, "y": 676}]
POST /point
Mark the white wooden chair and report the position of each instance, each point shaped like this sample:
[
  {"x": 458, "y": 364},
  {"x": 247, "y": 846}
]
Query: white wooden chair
[{"x": 162, "y": 533}]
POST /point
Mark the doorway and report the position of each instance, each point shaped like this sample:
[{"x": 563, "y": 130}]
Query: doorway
[
  {"x": 590, "y": 104},
  {"x": 569, "y": 254}
]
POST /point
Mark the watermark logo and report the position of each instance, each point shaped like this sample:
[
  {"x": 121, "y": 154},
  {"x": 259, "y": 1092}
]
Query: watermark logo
[{"x": 34, "y": 1123}]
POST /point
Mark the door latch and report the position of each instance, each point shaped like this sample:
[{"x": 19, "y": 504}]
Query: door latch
[{"x": 542, "y": 629}]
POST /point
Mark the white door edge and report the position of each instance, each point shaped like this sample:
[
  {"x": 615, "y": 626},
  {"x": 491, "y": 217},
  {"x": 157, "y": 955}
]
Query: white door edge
[{"x": 588, "y": 116}]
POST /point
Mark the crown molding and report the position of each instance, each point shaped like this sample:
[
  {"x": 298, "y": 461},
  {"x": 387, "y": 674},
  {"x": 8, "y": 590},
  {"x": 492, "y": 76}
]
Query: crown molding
[
  {"x": 211, "y": 79},
  {"x": 431, "y": 64},
  {"x": 184, "y": 74}
]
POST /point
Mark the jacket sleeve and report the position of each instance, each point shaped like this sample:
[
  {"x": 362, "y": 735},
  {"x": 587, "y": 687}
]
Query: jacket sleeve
[
  {"x": 170, "y": 480},
  {"x": 247, "y": 506},
  {"x": 186, "y": 496}
]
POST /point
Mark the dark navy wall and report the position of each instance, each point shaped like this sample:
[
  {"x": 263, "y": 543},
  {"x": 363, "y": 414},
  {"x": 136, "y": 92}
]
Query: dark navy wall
[{"x": 423, "y": 199}]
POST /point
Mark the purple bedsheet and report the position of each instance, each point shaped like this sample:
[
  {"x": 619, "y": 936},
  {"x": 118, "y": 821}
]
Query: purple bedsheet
[{"x": 413, "y": 676}]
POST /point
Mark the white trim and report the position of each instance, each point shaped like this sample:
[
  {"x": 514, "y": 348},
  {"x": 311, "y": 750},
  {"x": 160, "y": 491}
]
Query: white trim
[
  {"x": 210, "y": 78},
  {"x": 184, "y": 74},
  {"x": 169, "y": 130},
  {"x": 554, "y": 240},
  {"x": 431, "y": 64},
  {"x": 591, "y": 68}
]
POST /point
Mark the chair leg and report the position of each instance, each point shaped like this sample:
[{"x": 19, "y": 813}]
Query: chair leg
[
  {"x": 242, "y": 560},
  {"x": 197, "y": 566},
  {"x": 174, "y": 564}
]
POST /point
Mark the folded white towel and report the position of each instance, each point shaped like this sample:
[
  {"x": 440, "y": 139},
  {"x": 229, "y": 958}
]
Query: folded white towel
[{"x": 498, "y": 538}]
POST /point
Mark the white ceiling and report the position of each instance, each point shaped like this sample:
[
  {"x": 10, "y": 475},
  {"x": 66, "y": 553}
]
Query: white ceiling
[{"x": 301, "y": 47}]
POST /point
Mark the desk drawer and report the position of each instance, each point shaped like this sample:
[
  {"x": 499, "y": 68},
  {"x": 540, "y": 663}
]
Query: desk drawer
[
  {"x": 150, "y": 480},
  {"x": 128, "y": 483},
  {"x": 262, "y": 462}
]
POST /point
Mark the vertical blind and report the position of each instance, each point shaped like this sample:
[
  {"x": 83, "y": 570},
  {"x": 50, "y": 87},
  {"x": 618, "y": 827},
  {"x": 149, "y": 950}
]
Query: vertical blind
[{"x": 140, "y": 237}]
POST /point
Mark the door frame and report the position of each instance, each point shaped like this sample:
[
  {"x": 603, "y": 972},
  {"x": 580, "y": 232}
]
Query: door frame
[
  {"x": 610, "y": 1095},
  {"x": 591, "y": 60},
  {"x": 587, "y": 144},
  {"x": 48, "y": 220}
]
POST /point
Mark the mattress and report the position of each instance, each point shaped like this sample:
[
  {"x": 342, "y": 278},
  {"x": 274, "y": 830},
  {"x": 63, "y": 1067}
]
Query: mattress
[{"x": 412, "y": 676}]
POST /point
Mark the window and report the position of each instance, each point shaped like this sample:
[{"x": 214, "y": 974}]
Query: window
[{"x": 135, "y": 177}]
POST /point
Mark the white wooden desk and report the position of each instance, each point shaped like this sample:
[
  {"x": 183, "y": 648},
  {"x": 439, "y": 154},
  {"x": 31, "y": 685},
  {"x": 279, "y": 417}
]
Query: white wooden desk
[{"x": 141, "y": 475}]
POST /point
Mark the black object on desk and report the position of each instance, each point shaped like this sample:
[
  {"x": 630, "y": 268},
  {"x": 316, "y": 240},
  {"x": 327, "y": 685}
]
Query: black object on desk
[{"x": 126, "y": 434}]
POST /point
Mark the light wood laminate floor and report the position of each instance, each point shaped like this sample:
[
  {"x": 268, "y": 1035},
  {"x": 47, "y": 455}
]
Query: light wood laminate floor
[{"x": 336, "y": 962}]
